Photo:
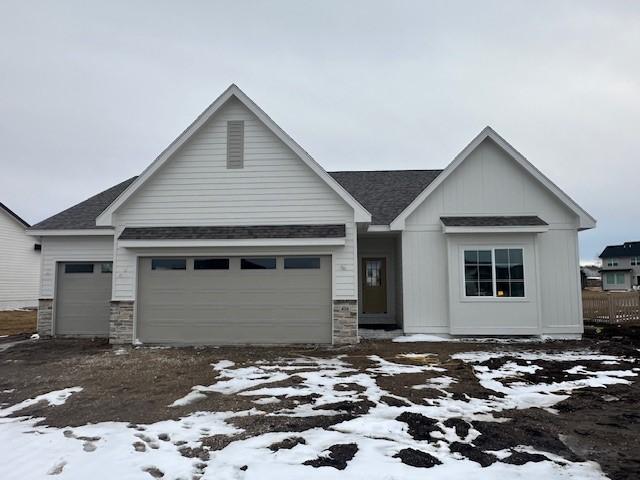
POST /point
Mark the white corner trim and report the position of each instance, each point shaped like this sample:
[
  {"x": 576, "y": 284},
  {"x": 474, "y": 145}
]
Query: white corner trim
[
  {"x": 249, "y": 242},
  {"x": 71, "y": 232},
  {"x": 586, "y": 220},
  {"x": 360, "y": 213},
  {"x": 510, "y": 229}
]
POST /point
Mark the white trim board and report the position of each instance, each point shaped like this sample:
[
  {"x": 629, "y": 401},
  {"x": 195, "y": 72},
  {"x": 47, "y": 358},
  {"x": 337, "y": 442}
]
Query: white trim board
[
  {"x": 360, "y": 213},
  {"x": 586, "y": 221}
]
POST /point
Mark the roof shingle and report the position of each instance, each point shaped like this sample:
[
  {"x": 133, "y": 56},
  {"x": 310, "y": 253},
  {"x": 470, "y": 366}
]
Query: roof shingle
[
  {"x": 233, "y": 232},
  {"x": 627, "y": 249},
  {"x": 385, "y": 193},
  {"x": 83, "y": 215},
  {"x": 493, "y": 221}
]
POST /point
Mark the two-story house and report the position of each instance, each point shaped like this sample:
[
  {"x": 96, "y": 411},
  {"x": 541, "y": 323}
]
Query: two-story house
[{"x": 621, "y": 266}]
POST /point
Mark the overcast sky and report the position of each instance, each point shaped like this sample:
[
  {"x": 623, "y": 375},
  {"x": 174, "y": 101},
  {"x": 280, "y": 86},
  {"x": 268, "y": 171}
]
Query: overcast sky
[{"x": 91, "y": 92}]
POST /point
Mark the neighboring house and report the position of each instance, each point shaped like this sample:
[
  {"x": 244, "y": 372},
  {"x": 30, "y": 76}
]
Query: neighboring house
[
  {"x": 234, "y": 234},
  {"x": 590, "y": 277},
  {"x": 621, "y": 266},
  {"x": 19, "y": 263}
]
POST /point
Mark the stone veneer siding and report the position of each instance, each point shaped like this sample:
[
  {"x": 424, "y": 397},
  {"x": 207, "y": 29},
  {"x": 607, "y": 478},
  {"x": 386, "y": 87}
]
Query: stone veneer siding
[
  {"x": 45, "y": 317},
  {"x": 121, "y": 322},
  {"x": 345, "y": 322}
]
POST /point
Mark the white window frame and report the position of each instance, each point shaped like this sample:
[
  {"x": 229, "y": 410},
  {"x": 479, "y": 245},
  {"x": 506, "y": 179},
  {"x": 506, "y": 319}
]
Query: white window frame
[
  {"x": 494, "y": 297},
  {"x": 635, "y": 261},
  {"x": 612, "y": 262}
]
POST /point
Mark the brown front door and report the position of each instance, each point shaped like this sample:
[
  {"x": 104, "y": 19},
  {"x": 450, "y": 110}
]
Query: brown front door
[{"x": 374, "y": 285}]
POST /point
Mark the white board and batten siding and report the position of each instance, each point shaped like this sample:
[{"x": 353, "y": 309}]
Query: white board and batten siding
[
  {"x": 19, "y": 265},
  {"x": 274, "y": 186},
  {"x": 70, "y": 249},
  {"x": 490, "y": 182}
]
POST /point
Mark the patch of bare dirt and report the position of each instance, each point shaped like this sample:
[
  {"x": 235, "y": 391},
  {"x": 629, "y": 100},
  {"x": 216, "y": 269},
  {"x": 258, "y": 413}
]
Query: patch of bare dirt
[
  {"x": 473, "y": 453},
  {"x": 337, "y": 457},
  {"x": 287, "y": 444},
  {"x": 416, "y": 458},
  {"x": 420, "y": 427}
]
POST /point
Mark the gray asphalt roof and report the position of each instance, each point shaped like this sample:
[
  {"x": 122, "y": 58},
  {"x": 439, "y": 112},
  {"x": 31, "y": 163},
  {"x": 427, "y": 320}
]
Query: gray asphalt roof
[
  {"x": 233, "y": 232},
  {"x": 385, "y": 193},
  {"x": 627, "y": 249},
  {"x": 493, "y": 221},
  {"x": 84, "y": 214}
]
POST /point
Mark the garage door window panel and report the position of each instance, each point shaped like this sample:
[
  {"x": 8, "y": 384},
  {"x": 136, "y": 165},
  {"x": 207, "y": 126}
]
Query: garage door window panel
[
  {"x": 106, "y": 267},
  {"x": 301, "y": 263},
  {"x": 169, "y": 264},
  {"x": 78, "y": 268},
  {"x": 211, "y": 264},
  {"x": 258, "y": 263}
]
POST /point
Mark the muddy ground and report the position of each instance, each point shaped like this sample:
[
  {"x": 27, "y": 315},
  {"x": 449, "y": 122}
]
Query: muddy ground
[{"x": 136, "y": 385}]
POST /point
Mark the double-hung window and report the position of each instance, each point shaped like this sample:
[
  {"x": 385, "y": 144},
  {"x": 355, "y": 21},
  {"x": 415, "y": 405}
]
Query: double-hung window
[
  {"x": 612, "y": 262},
  {"x": 494, "y": 272},
  {"x": 635, "y": 261}
]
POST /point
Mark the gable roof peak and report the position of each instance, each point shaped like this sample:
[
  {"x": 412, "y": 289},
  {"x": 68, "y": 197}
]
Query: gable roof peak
[
  {"x": 360, "y": 213},
  {"x": 586, "y": 221}
]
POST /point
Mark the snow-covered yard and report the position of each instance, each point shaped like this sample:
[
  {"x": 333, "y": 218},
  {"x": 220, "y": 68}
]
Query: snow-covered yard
[{"x": 400, "y": 415}]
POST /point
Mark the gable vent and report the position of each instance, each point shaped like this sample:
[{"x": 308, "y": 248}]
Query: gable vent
[{"x": 235, "y": 143}]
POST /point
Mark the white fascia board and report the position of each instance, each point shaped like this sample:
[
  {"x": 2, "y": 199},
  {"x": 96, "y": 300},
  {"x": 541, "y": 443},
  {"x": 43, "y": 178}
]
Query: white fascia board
[
  {"x": 72, "y": 233},
  {"x": 511, "y": 229},
  {"x": 360, "y": 213},
  {"x": 249, "y": 242},
  {"x": 586, "y": 221},
  {"x": 378, "y": 228}
]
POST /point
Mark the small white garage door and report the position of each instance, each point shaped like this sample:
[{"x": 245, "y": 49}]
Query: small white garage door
[
  {"x": 242, "y": 300},
  {"x": 83, "y": 295}
]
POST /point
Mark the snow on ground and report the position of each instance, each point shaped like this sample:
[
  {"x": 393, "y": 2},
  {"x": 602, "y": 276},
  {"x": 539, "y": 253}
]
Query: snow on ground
[
  {"x": 117, "y": 450},
  {"x": 568, "y": 356},
  {"x": 386, "y": 367},
  {"x": 522, "y": 395},
  {"x": 57, "y": 397},
  {"x": 106, "y": 450},
  {"x": 423, "y": 337}
]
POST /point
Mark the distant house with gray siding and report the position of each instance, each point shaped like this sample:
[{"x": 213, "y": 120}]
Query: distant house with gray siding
[
  {"x": 621, "y": 266},
  {"x": 590, "y": 276},
  {"x": 236, "y": 235}
]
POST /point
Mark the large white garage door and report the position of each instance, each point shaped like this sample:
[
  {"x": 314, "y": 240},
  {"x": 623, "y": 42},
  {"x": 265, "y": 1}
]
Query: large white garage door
[{"x": 218, "y": 300}]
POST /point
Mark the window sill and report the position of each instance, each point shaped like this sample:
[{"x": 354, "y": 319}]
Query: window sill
[{"x": 495, "y": 299}]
